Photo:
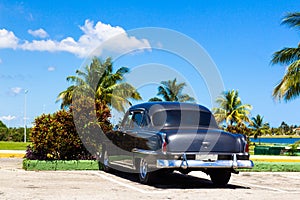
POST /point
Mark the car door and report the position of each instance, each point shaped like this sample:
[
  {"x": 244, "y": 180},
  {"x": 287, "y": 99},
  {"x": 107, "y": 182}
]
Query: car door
[{"x": 129, "y": 131}]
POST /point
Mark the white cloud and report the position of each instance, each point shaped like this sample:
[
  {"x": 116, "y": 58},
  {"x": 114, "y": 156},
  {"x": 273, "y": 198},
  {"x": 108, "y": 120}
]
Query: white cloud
[
  {"x": 40, "y": 45},
  {"x": 0, "y": 60},
  {"x": 94, "y": 36},
  {"x": 51, "y": 69},
  {"x": 8, "y": 39},
  {"x": 15, "y": 90},
  {"x": 40, "y": 33},
  {"x": 7, "y": 118}
]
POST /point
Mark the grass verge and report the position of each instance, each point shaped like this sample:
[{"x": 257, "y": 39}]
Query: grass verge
[
  {"x": 274, "y": 167},
  {"x": 13, "y": 145},
  {"x": 61, "y": 165}
]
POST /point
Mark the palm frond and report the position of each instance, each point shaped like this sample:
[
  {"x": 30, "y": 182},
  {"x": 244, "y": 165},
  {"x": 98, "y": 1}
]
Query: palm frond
[
  {"x": 186, "y": 98},
  {"x": 153, "y": 99},
  {"x": 292, "y": 20},
  {"x": 286, "y": 56},
  {"x": 66, "y": 97},
  {"x": 289, "y": 87},
  {"x": 162, "y": 92}
]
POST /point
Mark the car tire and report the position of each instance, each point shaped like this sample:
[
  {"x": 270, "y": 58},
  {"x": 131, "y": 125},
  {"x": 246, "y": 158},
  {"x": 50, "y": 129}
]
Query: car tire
[
  {"x": 145, "y": 176},
  {"x": 220, "y": 177}
]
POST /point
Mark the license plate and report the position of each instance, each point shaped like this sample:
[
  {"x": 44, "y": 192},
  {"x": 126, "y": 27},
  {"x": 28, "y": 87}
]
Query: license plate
[{"x": 207, "y": 157}]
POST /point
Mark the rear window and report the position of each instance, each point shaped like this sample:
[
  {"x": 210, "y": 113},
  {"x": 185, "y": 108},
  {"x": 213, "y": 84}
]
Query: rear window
[{"x": 178, "y": 118}]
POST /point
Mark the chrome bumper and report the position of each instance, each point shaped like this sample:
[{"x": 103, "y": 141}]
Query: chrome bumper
[
  {"x": 239, "y": 164},
  {"x": 184, "y": 163}
]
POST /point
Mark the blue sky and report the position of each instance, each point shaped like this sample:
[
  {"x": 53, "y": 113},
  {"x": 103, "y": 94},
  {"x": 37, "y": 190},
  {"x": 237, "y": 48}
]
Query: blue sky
[{"x": 43, "y": 42}]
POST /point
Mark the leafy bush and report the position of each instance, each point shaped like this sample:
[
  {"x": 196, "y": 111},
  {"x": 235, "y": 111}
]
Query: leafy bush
[
  {"x": 54, "y": 137},
  {"x": 294, "y": 148},
  {"x": 91, "y": 118},
  {"x": 70, "y": 135}
]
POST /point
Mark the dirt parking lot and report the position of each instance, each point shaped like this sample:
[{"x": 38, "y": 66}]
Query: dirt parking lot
[{"x": 16, "y": 183}]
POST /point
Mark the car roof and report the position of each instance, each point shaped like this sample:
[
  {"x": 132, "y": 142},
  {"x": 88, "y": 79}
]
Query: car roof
[{"x": 166, "y": 105}]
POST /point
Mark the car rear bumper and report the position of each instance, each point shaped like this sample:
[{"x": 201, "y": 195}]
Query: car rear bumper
[
  {"x": 240, "y": 164},
  {"x": 166, "y": 162},
  {"x": 184, "y": 163}
]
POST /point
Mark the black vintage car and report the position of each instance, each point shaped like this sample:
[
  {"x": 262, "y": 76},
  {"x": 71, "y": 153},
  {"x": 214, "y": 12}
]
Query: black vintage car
[{"x": 160, "y": 137}]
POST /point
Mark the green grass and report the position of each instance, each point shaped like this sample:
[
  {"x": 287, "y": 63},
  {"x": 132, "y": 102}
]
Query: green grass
[
  {"x": 274, "y": 167},
  {"x": 61, "y": 165},
  {"x": 13, "y": 145}
]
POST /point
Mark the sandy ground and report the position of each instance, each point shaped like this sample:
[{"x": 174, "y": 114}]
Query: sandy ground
[{"x": 16, "y": 183}]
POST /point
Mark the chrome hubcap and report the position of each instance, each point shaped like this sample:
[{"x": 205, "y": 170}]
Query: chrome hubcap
[
  {"x": 105, "y": 159},
  {"x": 143, "y": 168}
]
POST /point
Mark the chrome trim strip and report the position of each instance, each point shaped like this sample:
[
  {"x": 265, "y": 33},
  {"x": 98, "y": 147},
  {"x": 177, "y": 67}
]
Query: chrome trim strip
[
  {"x": 151, "y": 152},
  {"x": 239, "y": 164},
  {"x": 142, "y": 151}
]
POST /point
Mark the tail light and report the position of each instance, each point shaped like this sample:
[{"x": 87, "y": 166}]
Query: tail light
[
  {"x": 247, "y": 148},
  {"x": 164, "y": 143}
]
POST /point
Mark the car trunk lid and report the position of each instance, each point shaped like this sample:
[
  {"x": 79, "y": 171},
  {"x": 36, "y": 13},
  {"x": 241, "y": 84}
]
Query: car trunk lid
[{"x": 203, "y": 140}]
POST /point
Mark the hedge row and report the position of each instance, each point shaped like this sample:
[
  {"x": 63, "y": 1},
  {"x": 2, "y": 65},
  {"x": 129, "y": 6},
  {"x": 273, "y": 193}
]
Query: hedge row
[
  {"x": 55, "y": 136},
  {"x": 61, "y": 165}
]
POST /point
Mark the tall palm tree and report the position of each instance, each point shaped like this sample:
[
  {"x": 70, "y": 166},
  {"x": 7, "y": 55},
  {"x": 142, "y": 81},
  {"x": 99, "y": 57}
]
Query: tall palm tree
[
  {"x": 172, "y": 91},
  {"x": 98, "y": 80},
  {"x": 259, "y": 126},
  {"x": 289, "y": 87},
  {"x": 231, "y": 110}
]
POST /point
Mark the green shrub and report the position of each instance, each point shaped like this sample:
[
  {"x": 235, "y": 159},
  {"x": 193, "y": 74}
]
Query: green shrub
[
  {"x": 71, "y": 135},
  {"x": 294, "y": 148},
  {"x": 54, "y": 137},
  {"x": 91, "y": 118}
]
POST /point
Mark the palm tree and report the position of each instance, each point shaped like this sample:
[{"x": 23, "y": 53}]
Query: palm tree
[
  {"x": 259, "y": 126},
  {"x": 289, "y": 87},
  {"x": 172, "y": 91},
  {"x": 98, "y": 81},
  {"x": 155, "y": 99},
  {"x": 231, "y": 110}
]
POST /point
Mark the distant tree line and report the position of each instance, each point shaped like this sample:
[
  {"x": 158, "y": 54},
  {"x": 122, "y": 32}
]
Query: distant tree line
[
  {"x": 234, "y": 116},
  {"x": 13, "y": 134}
]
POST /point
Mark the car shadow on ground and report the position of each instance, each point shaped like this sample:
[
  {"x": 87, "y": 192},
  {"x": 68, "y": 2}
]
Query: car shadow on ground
[{"x": 177, "y": 181}]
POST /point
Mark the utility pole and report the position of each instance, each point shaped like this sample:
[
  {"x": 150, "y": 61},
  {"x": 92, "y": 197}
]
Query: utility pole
[{"x": 25, "y": 94}]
